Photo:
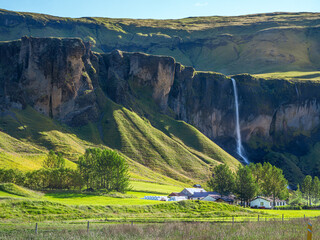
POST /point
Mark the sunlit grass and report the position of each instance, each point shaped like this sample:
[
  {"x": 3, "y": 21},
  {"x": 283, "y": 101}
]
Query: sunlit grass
[
  {"x": 154, "y": 188},
  {"x": 84, "y": 199},
  {"x": 292, "y": 75}
]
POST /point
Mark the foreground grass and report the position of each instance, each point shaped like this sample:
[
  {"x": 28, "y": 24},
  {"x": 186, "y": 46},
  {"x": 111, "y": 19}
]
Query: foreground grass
[{"x": 252, "y": 230}]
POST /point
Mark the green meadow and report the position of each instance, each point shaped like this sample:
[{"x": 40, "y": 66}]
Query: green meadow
[{"x": 19, "y": 204}]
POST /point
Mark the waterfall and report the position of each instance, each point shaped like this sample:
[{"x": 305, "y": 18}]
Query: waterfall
[{"x": 240, "y": 149}]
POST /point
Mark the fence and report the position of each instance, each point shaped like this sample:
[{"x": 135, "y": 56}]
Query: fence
[{"x": 222, "y": 220}]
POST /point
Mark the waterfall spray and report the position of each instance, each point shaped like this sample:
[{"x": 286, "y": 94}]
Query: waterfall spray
[{"x": 240, "y": 149}]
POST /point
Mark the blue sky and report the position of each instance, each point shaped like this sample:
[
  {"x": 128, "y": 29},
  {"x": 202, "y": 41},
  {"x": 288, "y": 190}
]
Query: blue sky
[{"x": 164, "y": 9}]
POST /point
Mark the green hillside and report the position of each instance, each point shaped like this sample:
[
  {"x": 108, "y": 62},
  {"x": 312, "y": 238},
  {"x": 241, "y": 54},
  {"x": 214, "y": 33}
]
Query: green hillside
[
  {"x": 257, "y": 43},
  {"x": 169, "y": 151}
]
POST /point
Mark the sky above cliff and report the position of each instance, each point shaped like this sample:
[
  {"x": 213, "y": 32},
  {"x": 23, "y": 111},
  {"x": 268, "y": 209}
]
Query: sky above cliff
[{"x": 165, "y": 9}]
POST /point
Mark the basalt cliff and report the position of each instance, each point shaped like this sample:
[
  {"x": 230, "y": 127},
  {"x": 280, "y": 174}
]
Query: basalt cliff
[
  {"x": 257, "y": 43},
  {"x": 65, "y": 80}
]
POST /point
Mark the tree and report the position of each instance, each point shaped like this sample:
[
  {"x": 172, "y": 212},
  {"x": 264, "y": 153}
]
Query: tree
[
  {"x": 121, "y": 173},
  {"x": 274, "y": 183},
  {"x": 307, "y": 188},
  {"x": 87, "y": 166},
  {"x": 104, "y": 169},
  {"x": 316, "y": 189},
  {"x": 245, "y": 184},
  {"x": 222, "y": 180},
  {"x": 257, "y": 171},
  {"x": 296, "y": 196},
  {"x": 12, "y": 176},
  {"x": 54, "y": 160}
]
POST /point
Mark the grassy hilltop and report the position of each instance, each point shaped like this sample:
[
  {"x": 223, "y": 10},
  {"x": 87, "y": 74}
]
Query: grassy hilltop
[{"x": 259, "y": 43}]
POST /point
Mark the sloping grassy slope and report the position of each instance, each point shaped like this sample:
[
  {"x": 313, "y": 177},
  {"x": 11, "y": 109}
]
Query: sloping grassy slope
[
  {"x": 27, "y": 136},
  {"x": 184, "y": 134},
  {"x": 161, "y": 150},
  {"x": 170, "y": 152},
  {"x": 14, "y": 189}
]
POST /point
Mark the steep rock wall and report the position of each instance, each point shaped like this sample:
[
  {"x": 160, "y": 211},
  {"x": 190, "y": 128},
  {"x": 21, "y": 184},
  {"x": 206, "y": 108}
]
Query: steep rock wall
[
  {"x": 51, "y": 76},
  {"x": 273, "y": 113}
]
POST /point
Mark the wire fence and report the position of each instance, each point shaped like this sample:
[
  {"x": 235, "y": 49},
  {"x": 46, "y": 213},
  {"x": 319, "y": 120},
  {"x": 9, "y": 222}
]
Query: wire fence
[{"x": 87, "y": 225}]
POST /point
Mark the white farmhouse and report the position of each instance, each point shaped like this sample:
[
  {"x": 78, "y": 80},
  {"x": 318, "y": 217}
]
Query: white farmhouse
[{"x": 262, "y": 202}]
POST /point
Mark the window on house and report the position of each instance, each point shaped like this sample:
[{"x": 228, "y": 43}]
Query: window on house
[{"x": 261, "y": 203}]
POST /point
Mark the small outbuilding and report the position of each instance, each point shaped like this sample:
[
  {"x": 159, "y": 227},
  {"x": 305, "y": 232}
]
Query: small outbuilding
[
  {"x": 226, "y": 199},
  {"x": 175, "y": 194},
  {"x": 202, "y": 195},
  {"x": 211, "y": 198},
  {"x": 190, "y": 191}
]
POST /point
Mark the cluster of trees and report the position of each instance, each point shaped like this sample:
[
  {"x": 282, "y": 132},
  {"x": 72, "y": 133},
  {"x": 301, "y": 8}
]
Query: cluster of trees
[
  {"x": 97, "y": 169},
  {"x": 104, "y": 169},
  {"x": 249, "y": 181},
  {"x": 310, "y": 191}
]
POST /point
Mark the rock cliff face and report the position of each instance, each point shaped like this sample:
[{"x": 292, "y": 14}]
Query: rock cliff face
[
  {"x": 60, "y": 78},
  {"x": 252, "y": 43},
  {"x": 279, "y": 119},
  {"x": 273, "y": 113},
  {"x": 51, "y": 76}
]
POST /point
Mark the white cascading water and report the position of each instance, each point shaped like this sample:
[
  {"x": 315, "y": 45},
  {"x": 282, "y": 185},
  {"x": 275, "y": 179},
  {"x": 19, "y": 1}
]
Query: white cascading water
[{"x": 240, "y": 149}]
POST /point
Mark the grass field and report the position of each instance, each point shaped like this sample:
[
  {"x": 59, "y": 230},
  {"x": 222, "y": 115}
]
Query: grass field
[
  {"x": 291, "y": 213},
  {"x": 133, "y": 197},
  {"x": 271, "y": 230}
]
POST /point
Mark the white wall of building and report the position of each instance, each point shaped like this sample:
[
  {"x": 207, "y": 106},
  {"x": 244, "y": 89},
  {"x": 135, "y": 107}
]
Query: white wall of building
[{"x": 260, "y": 202}]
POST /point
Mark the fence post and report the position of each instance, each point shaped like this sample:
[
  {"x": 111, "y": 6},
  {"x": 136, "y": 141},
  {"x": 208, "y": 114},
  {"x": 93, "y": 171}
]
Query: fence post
[
  {"x": 304, "y": 217},
  {"x": 309, "y": 232},
  {"x": 282, "y": 217},
  {"x": 258, "y": 218},
  {"x": 131, "y": 223},
  {"x": 36, "y": 230},
  {"x": 232, "y": 220},
  {"x": 88, "y": 226}
]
